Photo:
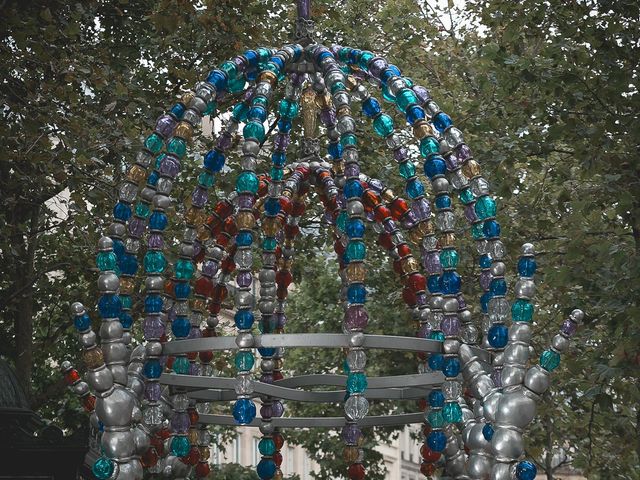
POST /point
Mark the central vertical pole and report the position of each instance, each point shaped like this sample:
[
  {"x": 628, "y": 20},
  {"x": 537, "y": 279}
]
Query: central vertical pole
[{"x": 304, "y": 9}]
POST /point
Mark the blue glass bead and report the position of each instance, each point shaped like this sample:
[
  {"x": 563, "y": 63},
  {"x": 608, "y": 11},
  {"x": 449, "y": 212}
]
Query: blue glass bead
[
  {"x": 218, "y": 79},
  {"x": 278, "y": 62},
  {"x": 153, "y": 303},
  {"x": 122, "y": 211},
  {"x": 487, "y": 432},
  {"x": 429, "y": 146},
  {"x": 335, "y": 150},
  {"x": 184, "y": 269},
  {"x": 153, "y": 178},
  {"x": 485, "y": 207},
  {"x": 353, "y": 55},
  {"x": 436, "y": 361},
  {"x": 152, "y": 368},
  {"x": 415, "y": 188},
  {"x": 181, "y": 365},
  {"x": 437, "y": 440},
  {"x": 442, "y": 121},
  {"x": 244, "y": 411},
  {"x": 526, "y": 470},
  {"x": 433, "y": 283},
  {"x": 266, "y": 468},
  {"x": 485, "y": 261},
  {"x": 109, "y": 306},
  {"x": 435, "y": 419},
  {"x": 214, "y": 160},
  {"x": 239, "y": 112},
  {"x": 182, "y": 290},
  {"x": 435, "y": 167},
  {"x": 355, "y": 228},
  {"x": 438, "y": 336},
  {"x": 126, "y": 320},
  {"x": 371, "y": 107},
  {"x": 180, "y": 445},
  {"x": 252, "y": 57},
  {"x": 353, "y": 188},
  {"x": 158, "y": 221},
  {"x": 269, "y": 244},
  {"x": 357, "y": 293},
  {"x": 244, "y": 319},
  {"x": 103, "y": 468},
  {"x": 247, "y": 182},
  {"x": 450, "y": 282},
  {"x": 244, "y": 239},
  {"x": 549, "y": 360},
  {"x": 178, "y": 110},
  {"x": 498, "y": 336},
  {"x": 356, "y": 382},
  {"x": 82, "y": 322},
  {"x": 244, "y": 361},
  {"x": 279, "y": 158},
  {"x": 451, "y": 412},
  {"x": 415, "y": 113},
  {"x": 257, "y": 113},
  {"x": 181, "y": 327},
  {"x": 267, "y": 352},
  {"x": 254, "y": 130},
  {"x": 491, "y": 229},
  {"x": 527, "y": 267},
  {"x": 484, "y": 301},
  {"x": 387, "y": 73},
  {"x": 118, "y": 248},
  {"x": 443, "y": 201},
  {"x": 498, "y": 287},
  {"x": 128, "y": 264},
  {"x": 154, "y": 262},
  {"x": 284, "y": 125},
  {"x": 451, "y": 367},
  {"x": 272, "y": 207}
]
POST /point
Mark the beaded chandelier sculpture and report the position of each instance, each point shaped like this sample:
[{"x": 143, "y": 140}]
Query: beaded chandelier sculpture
[{"x": 150, "y": 405}]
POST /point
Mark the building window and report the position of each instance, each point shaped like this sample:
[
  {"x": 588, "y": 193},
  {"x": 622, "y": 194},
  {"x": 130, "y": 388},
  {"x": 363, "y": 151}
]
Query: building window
[
  {"x": 215, "y": 450},
  {"x": 236, "y": 449},
  {"x": 290, "y": 454},
  {"x": 256, "y": 452}
]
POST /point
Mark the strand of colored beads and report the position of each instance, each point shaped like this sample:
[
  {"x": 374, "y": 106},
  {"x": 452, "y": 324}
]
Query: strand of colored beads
[{"x": 76, "y": 385}]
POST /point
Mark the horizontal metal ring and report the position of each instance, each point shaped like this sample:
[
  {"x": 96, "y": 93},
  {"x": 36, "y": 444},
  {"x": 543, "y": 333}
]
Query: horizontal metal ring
[{"x": 317, "y": 422}]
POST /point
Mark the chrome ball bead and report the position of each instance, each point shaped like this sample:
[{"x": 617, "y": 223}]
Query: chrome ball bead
[
  {"x": 507, "y": 444},
  {"x": 100, "y": 379},
  {"x": 115, "y": 409},
  {"x": 515, "y": 409},
  {"x": 117, "y": 444},
  {"x": 536, "y": 380}
]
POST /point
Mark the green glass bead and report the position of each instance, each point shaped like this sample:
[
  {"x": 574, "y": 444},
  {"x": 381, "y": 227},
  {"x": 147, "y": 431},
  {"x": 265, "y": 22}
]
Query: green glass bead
[
  {"x": 230, "y": 69},
  {"x": 127, "y": 301},
  {"x": 236, "y": 85},
  {"x": 476, "y": 231},
  {"x": 467, "y": 196},
  {"x": 439, "y": 336},
  {"x": 211, "y": 107},
  {"x": 383, "y": 125},
  {"x": 451, "y": 412},
  {"x": 348, "y": 139},
  {"x": 341, "y": 221},
  {"x": 181, "y": 365},
  {"x": 434, "y": 417},
  {"x": 405, "y": 98},
  {"x": 154, "y": 143},
  {"x": 549, "y": 360},
  {"x": 180, "y": 445},
  {"x": 365, "y": 58},
  {"x": 485, "y": 207},
  {"x": 154, "y": 262},
  {"x": 103, "y": 468},
  {"x": 356, "y": 250},
  {"x": 244, "y": 361},
  {"x": 106, "y": 261},
  {"x": 269, "y": 244},
  {"x": 142, "y": 210},
  {"x": 277, "y": 173},
  {"x": 206, "y": 180},
  {"x": 267, "y": 447},
  {"x": 177, "y": 146},
  {"x": 407, "y": 169},
  {"x": 449, "y": 258},
  {"x": 356, "y": 382},
  {"x": 247, "y": 182},
  {"x": 254, "y": 130},
  {"x": 240, "y": 111},
  {"x": 428, "y": 146},
  {"x": 289, "y": 108},
  {"x": 522, "y": 310},
  {"x": 184, "y": 269}
]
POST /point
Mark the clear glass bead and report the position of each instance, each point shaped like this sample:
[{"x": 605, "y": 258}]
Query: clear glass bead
[
  {"x": 132, "y": 245},
  {"x": 469, "y": 334},
  {"x": 452, "y": 390},
  {"x": 453, "y": 136},
  {"x": 435, "y": 319},
  {"x": 207, "y": 370},
  {"x": 430, "y": 243},
  {"x": 458, "y": 180},
  {"x": 244, "y": 259},
  {"x": 189, "y": 235},
  {"x": 480, "y": 186},
  {"x": 144, "y": 158},
  {"x": 128, "y": 192},
  {"x": 204, "y": 437},
  {"x": 244, "y": 385},
  {"x": 180, "y": 401},
  {"x": 356, "y": 407},
  {"x": 164, "y": 185},
  {"x": 499, "y": 309},
  {"x": 182, "y": 309},
  {"x": 153, "y": 415},
  {"x": 356, "y": 359},
  {"x": 482, "y": 247},
  {"x": 497, "y": 250},
  {"x": 445, "y": 221}
]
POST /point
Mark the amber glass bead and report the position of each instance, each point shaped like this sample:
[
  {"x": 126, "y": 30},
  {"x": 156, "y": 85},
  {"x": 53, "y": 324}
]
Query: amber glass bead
[
  {"x": 126, "y": 285},
  {"x": 350, "y": 82},
  {"x": 422, "y": 129},
  {"x": 193, "y": 436},
  {"x": 278, "y": 475},
  {"x": 350, "y": 453},
  {"x": 388, "y": 195},
  {"x": 204, "y": 233},
  {"x": 221, "y": 364},
  {"x": 343, "y": 111},
  {"x": 245, "y": 220},
  {"x": 187, "y": 97},
  {"x": 356, "y": 272},
  {"x": 184, "y": 130},
  {"x": 267, "y": 76},
  {"x": 270, "y": 227},
  {"x": 409, "y": 265},
  {"x": 447, "y": 240},
  {"x": 338, "y": 167},
  {"x": 137, "y": 174},
  {"x": 205, "y": 453},
  {"x": 93, "y": 358},
  {"x": 471, "y": 169},
  {"x": 194, "y": 216},
  {"x": 277, "y": 365}
]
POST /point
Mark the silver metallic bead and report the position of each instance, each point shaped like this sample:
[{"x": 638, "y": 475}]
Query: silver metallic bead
[
  {"x": 80, "y": 388},
  {"x": 440, "y": 185},
  {"x": 528, "y": 249},
  {"x": 248, "y": 162},
  {"x": 263, "y": 89},
  {"x": 525, "y": 288},
  {"x": 154, "y": 284},
  {"x": 436, "y": 302},
  {"x": 501, "y": 471},
  {"x": 77, "y": 309},
  {"x": 355, "y": 208},
  {"x": 465, "y": 316},
  {"x": 105, "y": 244},
  {"x": 516, "y": 354},
  {"x": 117, "y": 444},
  {"x": 453, "y": 136},
  {"x": 186, "y": 250},
  {"x": 498, "y": 269},
  {"x": 161, "y": 202},
  {"x": 356, "y": 339},
  {"x": 250, "y": 147},
  {"x": 512, "y": 375},
  {"x": 450, "y": 305},
  {"x": 341, "y": 99},
  {"x": 267, "y": 428},
  {"x": 520, "y": 332},
  {"x": 395, "y": 85},
  {"x": 154, "y": 349},
  {"x": 100, "y": 379},
  {"x": 515, "y": 409},
  {"x": 115, "y": 410},
  {"x": 360, "y": 93},
  {"x": 560, "y": 343},
  {"x": 193, "y": 117},
  {"x": 577, "y": 315},
  {"x": 119, "y": 371},
  {"x": 451, "y": 345},
  {"x": 244, "y": 300},
  {"x": 245, "y": 340},
  {"x": 537, "y": 380},
  {"x": 88, "y": 339}
]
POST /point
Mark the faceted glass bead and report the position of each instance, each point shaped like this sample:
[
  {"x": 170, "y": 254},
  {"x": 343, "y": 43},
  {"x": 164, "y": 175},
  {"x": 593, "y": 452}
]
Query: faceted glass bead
[
  {"x": 434, "y": 167},
  {"x": 491, "y": 229},
  {"x": 158, "y": 221},
  {"x": 355, "y": 228},
  {"x": 356, "y": 272},
  {"x": 357, "y": 359},
  {"x": 244, "y": 411},
  {"x": 177, "y": 146},
  {"x": 103, "y": 468},
  {"x": 435, "y": 419},
  {"x": 180, "y": 446},
  {"x": 436, "y": 361},
  {"x": 485, "y": 207},
  {"x": 522, "y": 310},
  {"x": 487, "y": 432},
  {"x": 405, "y": 98},
  {"x": 82, "y": 322},
  {"x": 184, "y": 269},
  {"x": 442, "y": 121},
  {"x": 436, "y": 399},
  {"x": 451, "y": 412},
  {"x": 437, "y": 440},
  {"x": 244, "y": 361},
  {"x": 244, "y": 385},
  {"x": 451, "y": 367},
  {"x": 526, "y": 267},
  {"x": 549, "y": 360},
  {"x": 154, "y": 262},
  {"x": 429, "y": 146},
  {"x": 154, "y": 143},
  {"x": 352, "y": 189},
  {"x": 498, "y": 287},
  {"x": 93, "y": 358},
  {"x": 526, "y": 470},
  {"x": 498, "y": 309},
  {"x": 247, "y": 182},
  {"x": 357, "y": 293},
  {"x": 181, "y": 365},
  {"x": 498, "y": 336},
  {"x": 122, "y": 211},
  {"x": 471, "y": 169},
  {"x": 450, "y": 282},
  {"x": 288, "y": 108},
  {"x": 106, "y": 261},
  {"x": 266, "y": 468},
  {"x": 254, "y": 130},
  {"x": 109, "y": 306},
  {"x": 415, "y": 188},
  {"x": 356, "y": 250},
  {"x": 356, "y": 407},
  {"x": 267, "y": 446},
  {"x": 371, "y": 107},
  {"x": 244, "y": 319},
  {"x": 466, "y": 196},
  {"x": 142, "y": 210},
  {"x": 152, "y": 368},
  {"x": 449, "y": 259},
  {"x": 407, "y": 169},
  {"x": 356, "y": 382},
  {"x": 383, "y": 125},
  {"x": 477, "y": 231},
  {"x": 452, "y": 389},
  {"x": 181, "y": 327}
]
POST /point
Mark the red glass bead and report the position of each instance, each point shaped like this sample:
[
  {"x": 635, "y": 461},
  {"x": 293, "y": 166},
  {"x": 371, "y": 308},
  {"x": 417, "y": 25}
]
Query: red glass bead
[
  {"x": 149, "y": 458},
  {"x": 278, "y": 439},
  {"x": 304, "y": 171},
  {"x": 397, "y": 267},
  {"x": 426, "y": 429},
  {"x": 193, "y": 457},
  {"x": 286, "y": 205},
  {"x": 277, "y": 458},
  {"x": 356, "y": 471},
  {"x": 204, "y": 286},
  {"x": 277, "y": 376},
  {"x": 291, "y": 231},
  {"x": 192, "y": 356},
  {"x": 399, "y": 208},
  {"x": 371, "y": 200},
  {"x": 228, "y": 265},
  {"x": 223, "y": 209},
  {"x": 164, "y": 433},
  {"x": 199, "y": 258},
  {"x": 298, "y": 209},
  {"x": 417, "y": 282},
  {"x": 284, "y": 278},
  {"x": 384, "y": 240},
  {"x": 203, "y": 469},
  {"x": 71, "y": 377},
  {"x": 170, "y": 360},
  {"x": 206, "y": 355},
  {"x": 422, "y": 404},
  {"x": 282, "y": 293},
  {"x": 382, "y": 213},
  {"x": 339, "y": 247},
  {"x": 214, "y": 308},
  {"x": 428, "y": 454},
  {"x": 409, "y": 296},
  {"x": 222, "y": 240},
  {"x": 219, "y": 293},
  {"x": 157, "y": 443},
  {"x": 169, "y": 288},
  {"x": 263, "y": 186},
  {"x": 427, "y": 469},
  {"x": 193, "y": 416},
  {"x": 230, "y": 227},
  {"x": 404, "y": 250},
  {"x": 89, "y": 403}
]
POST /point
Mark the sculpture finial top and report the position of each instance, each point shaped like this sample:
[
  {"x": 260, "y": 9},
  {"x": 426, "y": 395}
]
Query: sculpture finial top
[{"x": 305, "y": 27}]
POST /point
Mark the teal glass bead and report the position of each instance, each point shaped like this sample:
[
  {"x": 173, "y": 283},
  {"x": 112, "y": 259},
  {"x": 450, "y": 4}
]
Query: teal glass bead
[
  {"x": 103, "y": 468},
  {"x": 263, "y": 54},
  {"x": 159, "y": 159},
  {"x": 269, "y": 244},
  {"x": 406, "y": 98},
  {"x": 247, "y": 182},
  {"x": 127, "y": 301},
  {"x": 254, "y": 130},
  {"x": 451, "y": 412},
  {"x": 383, "y": 125},
  {"x": 177, "y": 146},
  {"x": 477, "y": 231},
  {"x": 356, "y": 382},
  {"x": 240, "y": 111},
  {"x": 154, "y": 262},
  {"x": 365, "y": 58},
  {"x": 341, "y": 221},
  {"x": 338, "y": 86},
  {"x": 407, "y": 169},
  {"x": 244, "y": 361},
  {"x": 180, "y": 446},
  {"x": 181, "y": 365},
  {"x": 106, "y": 261},
  {"x": 236, "y": 85},
  {"x": 211, "y": 107},
  {"x": 260, "y": 101},
  {"x": 522, "y": 310},
  {"x": 549, "y": 360},
  {"x": 386, "y": 94},
  {"x": 434, "y": 417},
  {"x": 439, "y": 336},
  {"x": 230, "y": 69},
  {"x": 356, "y": 250},
  {"x": 429, "y": 146},
  {"x": 485, "y": 207},
  {"x": 449, "y": 258},
  {"x": 154, "y": 143},
  {"x": 277, "y": 173},
  {"x": 348, "y": 139},
  {"x": 184, "y": 269},
  {"x": 288, "y": 108},
  {"x": 142, "y": 210},
  {"x": 267, "y": 447},
  {"x": 467, "y": 196},
  {"x": 206, "y": 180}
]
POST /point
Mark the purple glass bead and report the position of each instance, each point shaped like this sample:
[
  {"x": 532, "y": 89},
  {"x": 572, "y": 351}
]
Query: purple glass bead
[
  {"x": 356, "y": 318},
  {"x": 377, "y": 65},
  {"x": 281, "y": 141},
  {"x": 370, "y": 216},
  {"x": 245, "y": 201},
  {"x": 462, "y": 304},
  {"x": 195, "y": 332},
  {"x": 421, "y": 298},
  {"x": 431, "y": 263},
  {"x": 244, "y": 279},
  {"x": 152, "y": 391},
  {"x": 209, "y": 268},
  {"x": 450, "y": 325},
  {"x": 197, "y": 248},
  {"x": 165, "y": 125},
  {"x": 171, "y": 314},
  {"x": 225, "y": 141},
  {"x": 425, "y": 331},
  {"x": 352, "y": 170},
  {"x": 422, "y": 93},
  {"x": 351, "y": 433},
  {"x": 248, "y": 94},
  {"x": 156, "y": 241},
  {"x": 240, "y": 63},
  {"x": 410, "y": 219},
  {"x": 136, "y": 227},
  {"x": 496, "y": 376},
  {"x": 470, "y": 213},
  {"x": 390, "y": 226},
  {"x": 266, "y": 411},
  {"x": 277, "y": 408},
  {"x": 464, "y": 152},
  {"x": 421, "y": 208},
  {"x": 153, "y": 327},
  {"x": 180, "y": 422},
  {"x": 335, "y": 49},
  {"x": 569, "y": 327},
  {"x": 170, "y": 166},
  {"x": 266, "y": 378},
  {"x": 282, "y": 320},
  {"x": 400, "y": 154},
  {"x": 199, "y": 197},
  {"x": 328, "y": 116},
  {"x": 327, "y": 218},
  {"x": 376, "y": 185},
  {"x": 194, "y": 369},
  {"x": 452, "y": 160},
  {"x": 485, "y": 279}
]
